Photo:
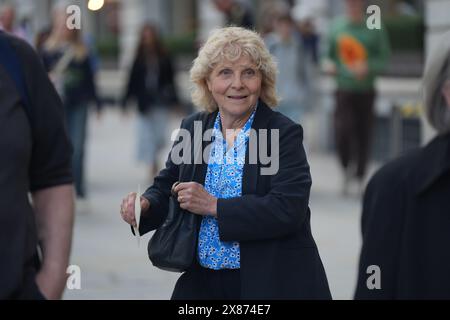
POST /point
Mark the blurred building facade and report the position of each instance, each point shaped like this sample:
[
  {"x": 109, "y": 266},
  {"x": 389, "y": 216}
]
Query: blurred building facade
[
  {"x": 117, "y": 20},
  {"x": 115, "y": 26},
  {"x": 115, "y": 29}
]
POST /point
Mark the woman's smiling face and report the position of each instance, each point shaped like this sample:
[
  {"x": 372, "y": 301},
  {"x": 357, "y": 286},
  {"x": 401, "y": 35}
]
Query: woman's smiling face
[{"x": 235, "y": 86}]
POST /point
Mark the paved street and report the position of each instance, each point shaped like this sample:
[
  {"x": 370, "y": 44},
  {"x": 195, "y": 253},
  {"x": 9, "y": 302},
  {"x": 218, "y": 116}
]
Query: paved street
[{"x": 114, "y": 267}]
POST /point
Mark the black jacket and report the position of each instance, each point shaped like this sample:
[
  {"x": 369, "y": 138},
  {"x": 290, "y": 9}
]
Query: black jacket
[
  {"x": 166, "y": 90},
  {"x": 35, "y": 155},
  {"x": 271, "y": 220},
  {"x": 406, "y": 226}
]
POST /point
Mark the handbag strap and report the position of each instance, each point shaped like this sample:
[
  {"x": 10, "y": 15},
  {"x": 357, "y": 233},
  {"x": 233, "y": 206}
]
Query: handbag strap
[{"x": 64, "y": 61}]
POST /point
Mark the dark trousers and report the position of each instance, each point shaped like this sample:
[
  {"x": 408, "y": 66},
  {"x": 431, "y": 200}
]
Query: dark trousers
[
  {"x": 76, "y": 127},
  {"x": 353, "y": 124},
  {"x": 205, "y": 284}
]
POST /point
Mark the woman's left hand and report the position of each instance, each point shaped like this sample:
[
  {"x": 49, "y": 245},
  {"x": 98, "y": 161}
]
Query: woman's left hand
[{"x": 194, "y": 198}]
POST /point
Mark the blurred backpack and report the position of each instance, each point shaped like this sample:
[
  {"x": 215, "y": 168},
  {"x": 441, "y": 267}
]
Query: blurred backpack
[{"x": 11, "y": 63}]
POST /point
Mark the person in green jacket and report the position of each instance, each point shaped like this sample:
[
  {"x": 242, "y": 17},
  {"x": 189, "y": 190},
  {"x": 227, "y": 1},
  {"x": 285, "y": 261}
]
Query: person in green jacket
[{"x": 357, "y": 55}]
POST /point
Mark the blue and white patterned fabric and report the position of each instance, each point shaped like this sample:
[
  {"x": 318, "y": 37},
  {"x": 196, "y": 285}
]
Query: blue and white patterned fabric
[{"x": 223, "y": 180}]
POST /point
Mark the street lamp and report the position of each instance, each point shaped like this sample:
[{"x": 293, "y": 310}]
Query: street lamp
[{"x": 95, "y": 5}]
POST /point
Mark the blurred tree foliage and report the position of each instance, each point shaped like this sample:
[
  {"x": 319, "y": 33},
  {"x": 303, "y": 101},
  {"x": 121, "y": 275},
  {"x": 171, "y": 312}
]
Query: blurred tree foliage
[
  {"x": 406, "y": 33},
  {"x": 181, "y": 44},
  {"x": 178, "y": 45},
  {"x": 108, "y": 47}
]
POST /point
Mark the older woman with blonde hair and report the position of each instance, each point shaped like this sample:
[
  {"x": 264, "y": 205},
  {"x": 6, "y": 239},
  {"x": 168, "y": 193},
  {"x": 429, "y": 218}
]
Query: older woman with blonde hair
[
  {"x": 253, "y": 237},
  {"x": 406, "y": 211}
]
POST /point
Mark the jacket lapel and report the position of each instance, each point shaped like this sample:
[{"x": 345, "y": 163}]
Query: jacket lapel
[
  {"x": 199, "y": 173},
  {"x": 251, "y": 170}
]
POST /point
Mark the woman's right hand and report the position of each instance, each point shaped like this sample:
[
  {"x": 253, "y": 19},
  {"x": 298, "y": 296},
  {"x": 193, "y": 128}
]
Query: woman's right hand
[{"x": 127, "y": 208}]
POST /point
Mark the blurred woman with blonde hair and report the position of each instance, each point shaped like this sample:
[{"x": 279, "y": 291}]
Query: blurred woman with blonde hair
[{"x": 68, "y": 61}]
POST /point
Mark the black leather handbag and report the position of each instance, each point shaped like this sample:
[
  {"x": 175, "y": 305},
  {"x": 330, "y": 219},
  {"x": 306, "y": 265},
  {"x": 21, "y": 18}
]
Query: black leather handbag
[{"x": 173, "y": 245}]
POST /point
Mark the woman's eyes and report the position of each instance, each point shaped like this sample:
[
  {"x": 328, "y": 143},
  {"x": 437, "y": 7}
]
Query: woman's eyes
[
  {"x": 225, "y": 72},
  {"x": 247, "y": 72}
]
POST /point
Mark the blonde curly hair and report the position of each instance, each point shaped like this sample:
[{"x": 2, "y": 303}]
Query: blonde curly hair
[{"x": 229, "y": 44}]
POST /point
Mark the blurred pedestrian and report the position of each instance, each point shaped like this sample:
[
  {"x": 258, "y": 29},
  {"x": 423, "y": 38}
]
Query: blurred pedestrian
[
  {"x": 406, "y": 210},
  {"x": 67, "y": 59},
  {"x": 8, "y": 21},
  {"x": 236, "y": 13},
  {"x": 357, "y": 56},
  {"x": 285, "y": 44},
  {"x": 269, "y": 11},
  {"x": 41, "y": 38},
  {"x": 253, "y": 228},
  {"x": 151, "y": 82},
  {"x": 306, "y": 21},
  {"x": 35, "y": 160}
]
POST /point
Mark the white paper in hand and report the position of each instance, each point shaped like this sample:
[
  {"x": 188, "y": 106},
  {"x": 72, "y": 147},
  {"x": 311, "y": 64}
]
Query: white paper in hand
[{"x": 137, "y": 214}]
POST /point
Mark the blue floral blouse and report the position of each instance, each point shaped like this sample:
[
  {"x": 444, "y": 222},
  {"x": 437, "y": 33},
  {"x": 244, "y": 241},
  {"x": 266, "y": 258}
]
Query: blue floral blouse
[{"x": 223, "y": 180}]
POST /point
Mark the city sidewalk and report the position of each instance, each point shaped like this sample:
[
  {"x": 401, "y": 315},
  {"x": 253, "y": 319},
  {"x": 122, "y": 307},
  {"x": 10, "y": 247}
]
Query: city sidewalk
[{"x": 114, "y": 267}]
